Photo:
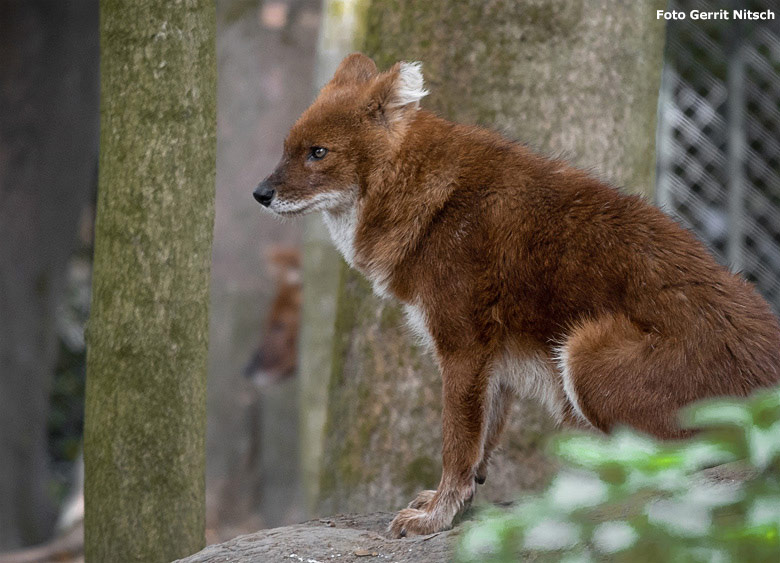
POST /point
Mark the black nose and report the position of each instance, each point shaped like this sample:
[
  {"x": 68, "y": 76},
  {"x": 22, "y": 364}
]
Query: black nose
[{"x": 264, "y": 194}]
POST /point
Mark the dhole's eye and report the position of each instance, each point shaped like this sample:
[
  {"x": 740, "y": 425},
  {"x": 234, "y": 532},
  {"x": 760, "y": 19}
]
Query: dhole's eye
[{"x": 317, "y": 153}]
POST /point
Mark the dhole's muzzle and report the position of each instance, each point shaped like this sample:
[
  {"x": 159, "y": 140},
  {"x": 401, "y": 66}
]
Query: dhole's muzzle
[{"x": 264, "y": 193}]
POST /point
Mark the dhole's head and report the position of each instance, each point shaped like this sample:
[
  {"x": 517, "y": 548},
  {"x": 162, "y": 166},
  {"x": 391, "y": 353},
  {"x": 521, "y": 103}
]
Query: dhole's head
[{"x": 352, "y": 128}]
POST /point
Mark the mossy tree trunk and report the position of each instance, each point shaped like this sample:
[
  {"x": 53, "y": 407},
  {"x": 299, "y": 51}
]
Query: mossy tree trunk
[
  {"x": 575, "y": 78},
  {"x": 147, "y": 336}
]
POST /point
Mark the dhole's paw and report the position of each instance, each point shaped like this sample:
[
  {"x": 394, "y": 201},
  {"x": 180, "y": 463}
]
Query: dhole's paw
[
  {"x": 414, "y": 522},
  {"x": 423, "y": 500}
]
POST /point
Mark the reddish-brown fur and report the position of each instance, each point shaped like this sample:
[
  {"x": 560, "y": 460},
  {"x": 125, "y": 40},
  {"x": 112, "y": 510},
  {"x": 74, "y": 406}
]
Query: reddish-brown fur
[
  {"x": 516, "y": 258},
  {"x": 276, "y": 357}
]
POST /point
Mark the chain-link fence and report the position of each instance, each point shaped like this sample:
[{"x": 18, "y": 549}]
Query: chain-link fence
[{"x": 719, "y": 136}]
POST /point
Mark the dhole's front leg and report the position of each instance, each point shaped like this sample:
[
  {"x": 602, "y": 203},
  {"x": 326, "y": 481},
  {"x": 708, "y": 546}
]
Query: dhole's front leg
[{"x": 464, "y": 397}]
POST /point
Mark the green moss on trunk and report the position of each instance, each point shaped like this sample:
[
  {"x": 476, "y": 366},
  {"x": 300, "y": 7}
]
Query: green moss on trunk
[{"x": 147, "y": 336}]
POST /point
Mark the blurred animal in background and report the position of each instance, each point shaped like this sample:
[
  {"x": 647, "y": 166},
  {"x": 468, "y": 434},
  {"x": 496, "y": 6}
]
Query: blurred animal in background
[
  {"x": 273, "y": 361},
  {"x": 284, "y": 16},
  {"x": 276, "y": 357}
]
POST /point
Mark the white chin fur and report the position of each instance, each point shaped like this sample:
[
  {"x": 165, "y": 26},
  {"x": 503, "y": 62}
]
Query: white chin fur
[{"x": 319, "y": 202}]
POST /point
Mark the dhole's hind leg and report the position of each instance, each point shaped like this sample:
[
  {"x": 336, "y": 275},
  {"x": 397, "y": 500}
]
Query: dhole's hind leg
[{"x": 615, "y": 374}]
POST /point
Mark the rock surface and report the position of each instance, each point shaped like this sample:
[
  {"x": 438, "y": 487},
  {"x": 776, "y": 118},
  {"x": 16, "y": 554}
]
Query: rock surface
[{"x": 349, "y": 538}]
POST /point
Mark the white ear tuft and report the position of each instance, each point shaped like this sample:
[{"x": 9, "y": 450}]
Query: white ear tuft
[{"x": 410, "y": 85}]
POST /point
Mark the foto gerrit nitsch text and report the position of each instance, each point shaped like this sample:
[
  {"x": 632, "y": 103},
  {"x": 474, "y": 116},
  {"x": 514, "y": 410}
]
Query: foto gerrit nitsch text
[{"x": 715, "y": 15}]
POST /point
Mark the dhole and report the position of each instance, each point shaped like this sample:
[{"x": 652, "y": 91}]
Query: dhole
[
  {"x": 527, "y": 275},
  {"x": 277, "y": 356}
]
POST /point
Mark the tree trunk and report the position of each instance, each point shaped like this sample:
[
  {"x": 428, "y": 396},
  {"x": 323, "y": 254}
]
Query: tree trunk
[
  {"x": 147, "y": 336},
  {"x": 567, "y": 77},
  {"x": 48, "y": 152}
]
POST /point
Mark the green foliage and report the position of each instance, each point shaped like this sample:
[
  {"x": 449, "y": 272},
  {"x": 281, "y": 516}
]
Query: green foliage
[{"x": 627, "y": 497}]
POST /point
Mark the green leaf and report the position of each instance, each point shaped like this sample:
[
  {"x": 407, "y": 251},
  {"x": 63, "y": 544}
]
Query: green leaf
[
  {"x": 610, "y": 537},
  {"x": 717, "y": 413}
]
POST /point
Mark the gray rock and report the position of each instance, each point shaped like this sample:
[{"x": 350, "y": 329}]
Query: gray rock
[{"x": 345, "y": 538}]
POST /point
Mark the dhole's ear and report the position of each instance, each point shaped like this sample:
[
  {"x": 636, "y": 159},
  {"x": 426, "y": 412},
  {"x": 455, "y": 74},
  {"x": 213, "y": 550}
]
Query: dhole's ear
[
  {"x": 354, "y": 69},
  {"x": 398, "y": 91}
]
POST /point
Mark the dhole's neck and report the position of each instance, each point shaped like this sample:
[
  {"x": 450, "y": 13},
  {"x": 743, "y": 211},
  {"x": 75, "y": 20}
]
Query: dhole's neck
[{"x": 398, "y": 200}]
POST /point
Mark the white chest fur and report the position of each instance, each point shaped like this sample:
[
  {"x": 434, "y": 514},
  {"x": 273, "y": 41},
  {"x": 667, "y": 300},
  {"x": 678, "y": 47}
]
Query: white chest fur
[{"x": 341, "y": 225}]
